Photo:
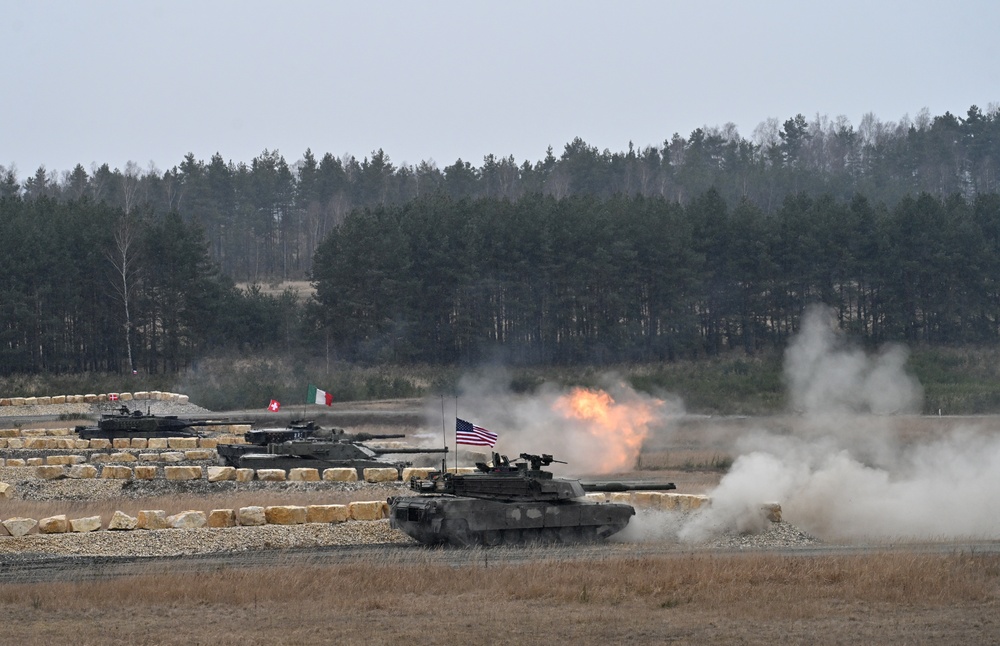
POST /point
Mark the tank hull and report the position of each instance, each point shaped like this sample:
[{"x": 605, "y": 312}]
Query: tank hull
[
  {"x": 249, "y": 456},
  {"x": 464, "y": 522},
  {"x": 145, "y": 427}
]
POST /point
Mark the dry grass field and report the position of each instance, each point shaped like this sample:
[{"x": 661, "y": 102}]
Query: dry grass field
[{"x": 883, "y": 598}]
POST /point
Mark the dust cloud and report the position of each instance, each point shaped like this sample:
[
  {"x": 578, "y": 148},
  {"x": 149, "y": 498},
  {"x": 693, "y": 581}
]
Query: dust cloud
[{"x": 843, "y": 473}]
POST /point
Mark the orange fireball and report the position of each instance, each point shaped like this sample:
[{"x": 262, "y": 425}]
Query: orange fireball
[{"x": 619, "y": 428}]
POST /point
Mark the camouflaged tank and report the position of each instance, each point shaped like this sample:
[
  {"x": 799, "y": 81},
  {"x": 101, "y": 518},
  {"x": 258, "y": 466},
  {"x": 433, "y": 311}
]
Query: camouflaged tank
[
  {"x": 506, "y": 503},
  {"x": 135, "y": 423},
  {"x": 305, "y": 444}
]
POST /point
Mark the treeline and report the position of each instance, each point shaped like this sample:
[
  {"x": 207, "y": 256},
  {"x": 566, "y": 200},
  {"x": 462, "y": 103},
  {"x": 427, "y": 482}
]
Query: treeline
[
  {"x": 86, "y": 287},
  {"x": 264, "y": 220},
  {"x": 538, "y": 281},
  {"x": 592, "y": 280}
]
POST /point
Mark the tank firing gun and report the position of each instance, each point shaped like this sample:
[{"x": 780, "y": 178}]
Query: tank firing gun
[{"x": 306, "y": 444}]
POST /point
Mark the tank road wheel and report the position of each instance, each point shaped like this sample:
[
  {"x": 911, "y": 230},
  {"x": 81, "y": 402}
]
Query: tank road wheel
[
  {"x": 531, "y": 537},
  {"x": 491, "y": 537},
  {"x": 572, "y": 534},
  {"x": 551, "y": 536},
  {"x": 512, "y": 537},
  {"x": 457, "y": 533}
]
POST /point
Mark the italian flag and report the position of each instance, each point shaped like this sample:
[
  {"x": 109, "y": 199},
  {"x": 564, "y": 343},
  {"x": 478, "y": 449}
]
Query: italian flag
[{"x": 317, "y": 396}]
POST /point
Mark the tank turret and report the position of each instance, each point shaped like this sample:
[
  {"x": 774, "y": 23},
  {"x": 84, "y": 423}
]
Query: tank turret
[
  {"x": 510, "y": 503},
  {"x": 305, "y": 444}
]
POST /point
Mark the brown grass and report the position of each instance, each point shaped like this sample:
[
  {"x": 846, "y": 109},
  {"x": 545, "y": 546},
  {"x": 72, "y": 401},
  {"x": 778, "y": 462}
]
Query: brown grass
[{"x": 884, "y": 598}]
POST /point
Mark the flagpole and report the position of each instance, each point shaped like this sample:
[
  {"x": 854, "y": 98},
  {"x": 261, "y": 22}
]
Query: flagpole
[
  {"x": 444, "y": 428},
  {"x": 444, "y": 438},
  {"x": 456, "y": 435}
]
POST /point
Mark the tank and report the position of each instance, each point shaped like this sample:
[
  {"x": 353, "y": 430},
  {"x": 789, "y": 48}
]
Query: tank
[
  {"x": 129, "y": 423},
  {"x": 305, "y": 444},
  {"x": 507, "y": 503}
]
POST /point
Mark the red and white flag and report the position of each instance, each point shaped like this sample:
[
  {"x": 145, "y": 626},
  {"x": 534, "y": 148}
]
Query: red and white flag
[
  {"x": 112, "y": 397},
  {"x": 317, "y": 396},
  {"x": 274, "y": 406}
]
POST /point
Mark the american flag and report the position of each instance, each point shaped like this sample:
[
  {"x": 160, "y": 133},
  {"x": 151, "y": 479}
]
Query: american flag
[{"x": 469, "y": 433}]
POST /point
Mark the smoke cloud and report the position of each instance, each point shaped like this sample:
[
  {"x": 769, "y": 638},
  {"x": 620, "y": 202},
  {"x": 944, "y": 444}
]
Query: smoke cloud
[
  {"x": 843, "y": 472},
  {"x": 825, "y": 376},
  {"x": 594, "y": 431}
]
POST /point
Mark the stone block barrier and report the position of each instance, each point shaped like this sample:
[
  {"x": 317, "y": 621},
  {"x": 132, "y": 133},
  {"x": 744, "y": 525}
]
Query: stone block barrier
[
  {"x": 285, "y": 515},
  {"x": 19, "y": 526},
  {"x": 53, "y": 525},
  {"x": 222, "y": 518},
  {"x": 94, "y": 398},
  {"x": 303, "y": 475},
  {"x": 147, "y": 465},
  {"x": 380, "y": 474},
  {"x": 327, "y": 513},
  {"x": 40, "y": 439},
  {"x": 156, "y": 519},
  {"x": 192, "y": 519},
  {"x": 114, "y": 472},
  {"x": 182, "y": 473},
  {"x": 88, "y": 524},
  {"x": 121, "y": 521},
  {"x": 338, "y": 474},
  {"x": 373, "y": 510}
]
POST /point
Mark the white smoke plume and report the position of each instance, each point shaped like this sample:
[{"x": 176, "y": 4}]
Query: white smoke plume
[
  {"x": 824, "y": 375},
  {"x": 843, "y": 473},
  {"x": 601, "y": 440}
]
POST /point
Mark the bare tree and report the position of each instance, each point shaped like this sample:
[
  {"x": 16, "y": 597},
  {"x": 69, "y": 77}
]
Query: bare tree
[
  {"x": 124, "y": 258},
  {"x": 130, "y": 185}
]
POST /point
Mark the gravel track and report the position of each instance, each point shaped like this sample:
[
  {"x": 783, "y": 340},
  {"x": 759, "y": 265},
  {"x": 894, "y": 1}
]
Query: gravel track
[{"x": 35, "y": 557}]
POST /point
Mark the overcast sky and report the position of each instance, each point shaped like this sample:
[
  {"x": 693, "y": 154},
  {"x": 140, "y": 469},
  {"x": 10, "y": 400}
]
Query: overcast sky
[{"x": 114, "y": 82}]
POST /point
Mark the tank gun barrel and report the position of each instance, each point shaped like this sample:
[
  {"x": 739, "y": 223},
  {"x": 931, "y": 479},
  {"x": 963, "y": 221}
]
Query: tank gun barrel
[
  {"x": 365, "y": 437},
  {"x": 611, "y": 487},
  {"x": 217, "y": 422},
  {"x": 407, "y": 450}
]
